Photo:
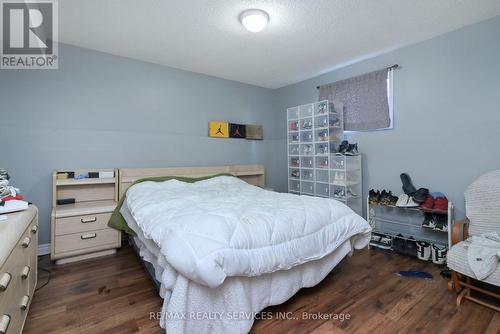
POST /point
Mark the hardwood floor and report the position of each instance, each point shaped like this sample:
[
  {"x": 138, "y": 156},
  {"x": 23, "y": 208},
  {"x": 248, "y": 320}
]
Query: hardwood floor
[{"x": 114, "y": 295}]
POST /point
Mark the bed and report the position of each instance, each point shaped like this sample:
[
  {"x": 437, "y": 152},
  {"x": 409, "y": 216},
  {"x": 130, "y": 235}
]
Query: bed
[{"x": 221, "y": 249}]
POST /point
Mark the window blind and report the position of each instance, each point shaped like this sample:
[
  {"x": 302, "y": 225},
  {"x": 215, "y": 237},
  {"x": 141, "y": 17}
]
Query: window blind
[{"x": 365, "y": 99}]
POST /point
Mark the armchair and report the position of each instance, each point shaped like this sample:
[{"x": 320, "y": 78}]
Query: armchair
[{"x": 482, "y": 201}]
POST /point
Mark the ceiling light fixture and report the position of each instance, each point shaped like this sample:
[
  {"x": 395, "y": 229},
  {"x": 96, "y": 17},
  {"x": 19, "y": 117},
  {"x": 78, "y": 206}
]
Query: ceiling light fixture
[{"x": 254, "y": 20}]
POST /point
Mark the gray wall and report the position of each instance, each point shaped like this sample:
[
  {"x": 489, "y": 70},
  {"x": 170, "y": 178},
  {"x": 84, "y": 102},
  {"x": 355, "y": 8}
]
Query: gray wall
[
  {"x": 100, "y": 110},
  {"x": 447, "y": 116}
]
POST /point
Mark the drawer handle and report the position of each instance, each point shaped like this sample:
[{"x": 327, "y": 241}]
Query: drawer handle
[
  {"x": 86, "y": 220},
  {"x": 4, "y": 323},
  {"x": 25, "y": 272},
  {"x": 26, "y": 242},
  {"x": 5, "y": 281},
  {"x": 88, "y": 236},
  {"x": 24, "y": 303},
  {"x": 34, "y": 229}
]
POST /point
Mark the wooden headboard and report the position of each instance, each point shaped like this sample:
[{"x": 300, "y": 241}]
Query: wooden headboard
[{"x": 253, "y": 174}]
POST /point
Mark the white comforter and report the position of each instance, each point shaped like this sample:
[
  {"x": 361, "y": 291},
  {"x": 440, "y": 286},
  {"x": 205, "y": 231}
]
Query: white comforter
[{"x": 222, "y": 227}]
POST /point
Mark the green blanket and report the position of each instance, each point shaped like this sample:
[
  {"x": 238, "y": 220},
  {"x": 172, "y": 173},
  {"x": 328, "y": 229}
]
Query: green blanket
[{"x": 118, "y": 222}]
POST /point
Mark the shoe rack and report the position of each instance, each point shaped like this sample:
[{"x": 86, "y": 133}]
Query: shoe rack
[
  {"x": 314, "y": 133},
  {"x": 406, "y": 222}
]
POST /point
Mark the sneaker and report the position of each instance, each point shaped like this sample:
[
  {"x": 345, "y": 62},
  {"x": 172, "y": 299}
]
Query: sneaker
[
  {"x": 428, "y": 203},
  {"x": 339, "y": 193},
  {"x": 295, "y": 173},
  {"x": 420, "y": 195},
  {"x": 408, "y": 187},
  {"x": 344, "y": 147},
  {"x": 335, "y": 123},
  {"x": 323, "y": 149},
  {"x": 352, "y": 149},
  {"x": 392, "y": 199},
  {"x": 322, "y": 124},
  {"x": 386, "y": 198},
  {"x": 351, "y": 193},
  {"x": 423, "y": 250},
  {"x": 385, "y": 242},
  {"x": 411, "y": 203},
  {"x": 441, "y": 223},
  {"x": 373, "y": 197},
  {"x": 433, "y": 221},
  {"x": 427, "y": 221},
  {"x": 307, "y": 149},
  {"x": 323, "y": 163},
  {"x": 411, "y": 247},
  {"x": 339, "y": 164},
  {"x": 399, "y": 244},
  {"x": 441, "y": 203},
  {"x": 402, "y": 201},
  {"x": 323, "y": 136},
  {"x": 375, "y": 238},
  {"x": 439, "y": 253},
  {"x": 322, "y": 108},
  {"x": 383, "y": 197}
]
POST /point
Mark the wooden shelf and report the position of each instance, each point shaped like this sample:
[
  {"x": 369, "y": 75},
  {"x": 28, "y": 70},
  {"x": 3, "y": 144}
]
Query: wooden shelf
[
  {"x": 79, "y": 182},
  {"x": 84, "y": 208}
]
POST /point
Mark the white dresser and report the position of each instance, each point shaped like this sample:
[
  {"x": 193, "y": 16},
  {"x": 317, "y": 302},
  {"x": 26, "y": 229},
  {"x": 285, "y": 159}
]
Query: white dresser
[{"x": 18, "y": 268}]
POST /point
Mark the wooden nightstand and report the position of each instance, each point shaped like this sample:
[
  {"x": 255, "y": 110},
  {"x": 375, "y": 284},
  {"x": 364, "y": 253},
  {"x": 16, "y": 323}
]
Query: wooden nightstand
[{"x": 80, "y": 230}]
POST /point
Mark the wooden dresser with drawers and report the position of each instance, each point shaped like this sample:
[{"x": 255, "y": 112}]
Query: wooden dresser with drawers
[
  {"x": 18, "y": 267},
  {"x": 80, "y": 229}
]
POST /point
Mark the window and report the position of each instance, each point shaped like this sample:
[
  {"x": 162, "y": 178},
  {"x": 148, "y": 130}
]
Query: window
[{"x": 367, "y": 99}]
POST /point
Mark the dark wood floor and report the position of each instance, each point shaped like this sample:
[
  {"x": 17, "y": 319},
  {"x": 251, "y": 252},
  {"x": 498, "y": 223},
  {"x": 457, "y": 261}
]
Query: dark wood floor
[{"x": 114, "y": 295}]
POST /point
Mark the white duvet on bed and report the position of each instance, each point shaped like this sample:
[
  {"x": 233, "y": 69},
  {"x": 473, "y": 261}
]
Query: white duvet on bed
[
  {"x": 224, "y": 227},
  {"x": 189, "y": 307}
]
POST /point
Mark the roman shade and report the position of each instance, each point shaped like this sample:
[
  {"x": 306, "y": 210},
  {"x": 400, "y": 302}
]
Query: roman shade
[{"x": 365, "y": 99}]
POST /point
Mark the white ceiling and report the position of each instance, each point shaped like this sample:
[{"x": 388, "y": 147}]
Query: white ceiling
[{"x": 304, "y": 38}]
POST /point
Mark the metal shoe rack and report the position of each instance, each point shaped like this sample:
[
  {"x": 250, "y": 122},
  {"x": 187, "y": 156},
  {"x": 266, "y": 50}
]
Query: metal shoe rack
[
  {"x": 314, "y": 132},
  {"x": 406, "y": 223}
]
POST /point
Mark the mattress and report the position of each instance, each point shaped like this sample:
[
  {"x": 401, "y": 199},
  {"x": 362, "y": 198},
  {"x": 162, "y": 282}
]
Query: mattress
[{"x": 189, "y": 307}]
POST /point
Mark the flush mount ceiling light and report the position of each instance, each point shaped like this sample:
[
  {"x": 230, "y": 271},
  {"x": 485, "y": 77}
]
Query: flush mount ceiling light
[{"x": 254, "y": 20}]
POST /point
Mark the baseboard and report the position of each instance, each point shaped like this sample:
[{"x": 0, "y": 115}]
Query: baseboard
[{"x": 43, "y": 249}]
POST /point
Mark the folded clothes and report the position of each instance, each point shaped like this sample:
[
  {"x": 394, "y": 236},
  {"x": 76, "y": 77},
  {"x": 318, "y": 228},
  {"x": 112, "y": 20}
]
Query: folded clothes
[
  {"x": 6, "y": 190},
  {"x": 483, "y": 254},
  {"x": 18, "y": 197}
]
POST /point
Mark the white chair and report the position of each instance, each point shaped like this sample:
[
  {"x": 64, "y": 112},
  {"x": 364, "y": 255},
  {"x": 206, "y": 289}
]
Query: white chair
[{"x": 482, "y": 206}]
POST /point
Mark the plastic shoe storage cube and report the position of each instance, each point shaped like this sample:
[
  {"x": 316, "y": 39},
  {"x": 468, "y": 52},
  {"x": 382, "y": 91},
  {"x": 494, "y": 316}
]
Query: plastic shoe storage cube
[
  {"x": 306, "y": 149},
  {"x": 307, "y": 188},
  {"x": 307, "y": 162},
  {"x": 294, "y": 161},
  {"x": 293, "y": 149},
  {"x": 315, "y": 131},
  {"x": 294, "y": 186},
  {"x": 307, "y": 174},
  {"x": 322, "y": 189},
  {"x": 306, "y": 136}
]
